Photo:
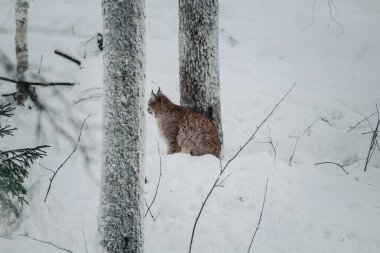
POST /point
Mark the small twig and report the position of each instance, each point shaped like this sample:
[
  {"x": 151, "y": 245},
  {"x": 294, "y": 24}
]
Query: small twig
[
  {"x": 312, "y": 17},
  {"x": 374, "y": 139},
  {"x": 260, "y": 218},
  {"x": 46, "y": 168},
  {"x": 36, "y": 83},
  {"x": 150, "y": 211},
  {"x": 359, "y": 122},
  {"x": 158, "y": 184},
  {"x": 307, "y": 130},
  {"x": 221, "y": 182},
  {"x": 155, "y": 218},
  {"x": 68, "y": 57},
  {"x": 223, "y": 169},
  {"x": 332, "y": 18},
  {"x": 324, "y": 119},
  {"x": 46, "y": 242},
  {"x": 72, "y": 152},
  {"x": 270, "y": 142},
  {"x": 85, "y": 241},
  {"x": 294, "y": 150},
  {"x": 337, "y": 164},
  {"x": 13, "y": 94},
  {"x": 39, "y": 68}
]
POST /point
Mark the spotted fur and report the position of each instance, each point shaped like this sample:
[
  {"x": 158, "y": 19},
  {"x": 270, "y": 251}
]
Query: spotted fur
[{"x": 183, "y": 129}]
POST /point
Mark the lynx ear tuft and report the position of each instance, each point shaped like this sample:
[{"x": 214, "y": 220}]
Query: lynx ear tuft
[
  {"x": 153, "y": 95},
  {"x": 159, "y": 92}
]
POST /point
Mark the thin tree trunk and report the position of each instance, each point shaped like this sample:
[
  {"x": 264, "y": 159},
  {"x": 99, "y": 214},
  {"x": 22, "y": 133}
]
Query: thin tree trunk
[
  {"x": 199, "y": 60},
  {"x": 22, "y": 7},
  {"x": 121, "y": 201}
]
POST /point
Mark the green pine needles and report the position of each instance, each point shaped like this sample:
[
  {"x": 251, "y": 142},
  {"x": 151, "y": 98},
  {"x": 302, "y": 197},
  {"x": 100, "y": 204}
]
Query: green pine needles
[{"x": 14, "y": 166}]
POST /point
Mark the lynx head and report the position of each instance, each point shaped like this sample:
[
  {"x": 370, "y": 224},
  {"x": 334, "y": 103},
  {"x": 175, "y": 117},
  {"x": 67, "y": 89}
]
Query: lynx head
[{"x": 154, "y": 103}]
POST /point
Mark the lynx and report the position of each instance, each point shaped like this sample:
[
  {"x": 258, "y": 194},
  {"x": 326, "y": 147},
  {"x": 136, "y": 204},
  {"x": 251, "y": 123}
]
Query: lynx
[{"x": 183, "y": 129}]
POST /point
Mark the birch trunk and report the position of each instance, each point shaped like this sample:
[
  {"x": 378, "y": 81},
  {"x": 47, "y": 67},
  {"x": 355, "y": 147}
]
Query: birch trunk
[
  {"x": 21, "y": 9},
  {"x": 121, "y": 200},
  {"x": 199, "y": 60}
]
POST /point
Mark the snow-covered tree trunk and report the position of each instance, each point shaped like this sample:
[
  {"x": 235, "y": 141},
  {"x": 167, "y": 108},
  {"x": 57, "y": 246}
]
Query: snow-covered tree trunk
[
  {"x": 199, "y": 60},
  {"x": 121, "y": 199},
  {"x": 22, "y": 7}
]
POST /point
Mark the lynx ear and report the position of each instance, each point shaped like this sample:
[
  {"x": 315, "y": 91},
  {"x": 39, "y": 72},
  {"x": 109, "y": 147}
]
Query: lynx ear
[
  {"x": 159, "y": 92},
  {"x": 153, "y": 95}
]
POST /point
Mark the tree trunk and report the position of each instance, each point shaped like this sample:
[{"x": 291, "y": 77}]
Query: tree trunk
[
  {"x": 199, "y": 60},
  {"x": 22, "y": 7},
  {"x": 121, "y": 199}
]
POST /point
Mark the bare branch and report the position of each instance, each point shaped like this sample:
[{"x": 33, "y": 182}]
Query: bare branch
[
  {"x": 257, "y": 128},
  {"x": 270, "y": 142},
  {"x": 223, "y": 169},
  {"x": 13, "y": 94},
  {"x": 374, "y": 139},
  {"x": 39, "y": 68},
  {"x": 36, "y": 83},
  {"x": 260, "y": 218},
  {"x": 72, "y": 152},
  {"x": 68, "y": 57},
  {"x": 46, "y": 242},
  {"x": 85, "y": 241},
  {"x": 312, "y": 17},
  {"x": 307, "y": 130},
  {"x": 158, "y": 184},
  {"x": 294, "y": 150},
  {"x": 46, "y": 168},
  {"x": 359, "y": 122},
  {"x": 340, "y": 165},
  {"x": 150, "y": 211},
  {"x": 333, "y": 19},
  {"x": 221, "y": 182}
]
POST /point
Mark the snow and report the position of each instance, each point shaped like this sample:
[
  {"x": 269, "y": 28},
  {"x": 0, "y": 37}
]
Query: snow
[{"x": 263, "y": 51}]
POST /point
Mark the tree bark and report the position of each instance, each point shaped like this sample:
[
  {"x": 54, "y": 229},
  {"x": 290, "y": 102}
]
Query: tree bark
[
  {"x": 121, "y": 200},
  {"x": 199, "y": 59},
  {"x": 21, "y": 9}
]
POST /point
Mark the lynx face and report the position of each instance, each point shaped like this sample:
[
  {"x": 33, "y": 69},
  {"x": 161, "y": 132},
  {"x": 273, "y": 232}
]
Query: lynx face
[{"x": 153, "y": 104}]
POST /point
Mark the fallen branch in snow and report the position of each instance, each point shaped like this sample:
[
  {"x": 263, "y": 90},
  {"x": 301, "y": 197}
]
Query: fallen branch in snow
[
  {"x": 270, "y": 142},
  {"x": 312, "y": 17},
  {"x": 68, "y": 57},
  {"x": 85, "y": 241},
  {"x": 374, "y": 139},
  {"x": 36, "y": 83},
  {"x": 359, "y": 122},
  {"x": 46, "y": 242},
  {"x": 307, "y": 130},
  {"x": 158, "y": 183},
  {"x": 340, "y": 165},
  {"x": 260, "y": 218},
  {"x": 223, "y": 168},
  {"x": 39, "y": 68},
  {"x": 332, "y": 18},
  {"x": 294, "y": 150},
  {"x": 72, "y": 152}
]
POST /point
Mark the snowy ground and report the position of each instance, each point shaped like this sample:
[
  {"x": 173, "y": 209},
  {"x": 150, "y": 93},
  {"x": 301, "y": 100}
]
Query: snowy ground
[{"x": 264, "y": 49}]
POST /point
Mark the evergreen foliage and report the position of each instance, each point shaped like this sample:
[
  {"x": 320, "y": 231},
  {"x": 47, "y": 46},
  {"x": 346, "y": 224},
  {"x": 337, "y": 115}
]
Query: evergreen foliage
[{"x": 14, "y": 166}]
